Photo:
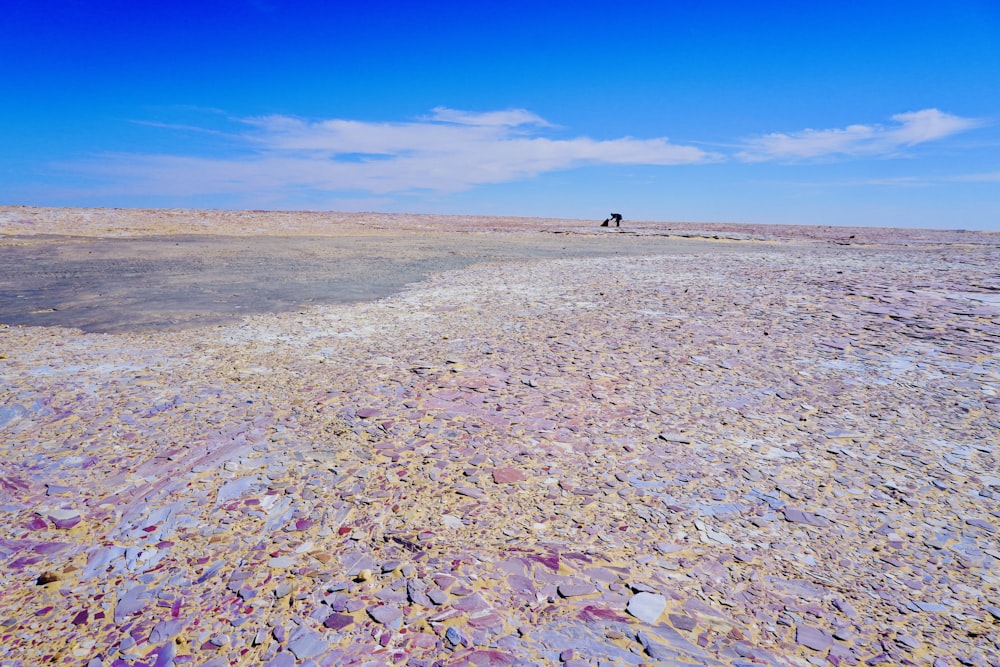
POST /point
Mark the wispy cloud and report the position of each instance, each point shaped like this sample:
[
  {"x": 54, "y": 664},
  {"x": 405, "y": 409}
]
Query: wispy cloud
[
  {"x": 448, "y": 151},
  {"x": 180, "y": 127},
  {"x": 509, "y": 117},
  {"x": 910, "y": 129},
  {"x": 987, "y": 177}
]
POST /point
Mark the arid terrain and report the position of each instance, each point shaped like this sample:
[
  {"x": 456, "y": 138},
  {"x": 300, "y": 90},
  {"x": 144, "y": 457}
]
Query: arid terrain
[{"x": 256, "y": 438}]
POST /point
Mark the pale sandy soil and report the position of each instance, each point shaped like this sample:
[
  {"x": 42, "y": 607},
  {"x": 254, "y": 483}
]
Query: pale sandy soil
[{"x": 559, "y": 444}]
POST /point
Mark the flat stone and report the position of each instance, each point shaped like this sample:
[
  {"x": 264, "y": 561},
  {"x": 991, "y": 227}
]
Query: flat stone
[
  {"x": 338, "y": 621},
  {"x": 281, "y": 562},
  {"x": 982, "y": 523},
  {"x": 814, "y": 638},
  {"x": 387, "y": 615},
  {"x": 416, "y": 591},
  {"x": 65, "y": 519},
  {"x": 281, "y": 660},
  {"x": 488, "y": 618},
  {"x": 574, "y": 589},
  {"x": 800, "y": 516},
  {"x": 397, "y": 596},
  {"x": 843, "y": 434},
  {"x": 507, "y": 475},
  {"x": 683, "y": 621},
  {"x": 471, "y": 603},
  {"x": 236, "y": 488},
  {"x": 646, "y": 607},
  {"x": 454, "y": 636},
  {"x": 305, "y": 643}
]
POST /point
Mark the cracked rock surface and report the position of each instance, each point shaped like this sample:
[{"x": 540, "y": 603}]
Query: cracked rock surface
[{"x": 767, "y": 448}]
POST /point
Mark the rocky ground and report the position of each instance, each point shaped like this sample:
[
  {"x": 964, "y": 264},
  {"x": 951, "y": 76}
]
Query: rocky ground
[{"x": 755, "y": 451}]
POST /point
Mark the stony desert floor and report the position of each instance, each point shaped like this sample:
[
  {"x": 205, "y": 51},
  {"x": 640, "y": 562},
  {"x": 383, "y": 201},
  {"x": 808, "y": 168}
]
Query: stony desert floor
[{"x": 488, "y": 441}]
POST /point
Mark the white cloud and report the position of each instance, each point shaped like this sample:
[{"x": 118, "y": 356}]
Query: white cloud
[
  {"x": 449, "y": 151},
  {"x": 912, "y": 128},
  {"x": 510, "y": 117},
  {"x": 287, "y": 159}
]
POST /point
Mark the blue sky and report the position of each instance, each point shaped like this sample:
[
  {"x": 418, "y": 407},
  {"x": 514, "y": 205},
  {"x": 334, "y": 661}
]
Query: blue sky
[{"x": 852, "y": 113}]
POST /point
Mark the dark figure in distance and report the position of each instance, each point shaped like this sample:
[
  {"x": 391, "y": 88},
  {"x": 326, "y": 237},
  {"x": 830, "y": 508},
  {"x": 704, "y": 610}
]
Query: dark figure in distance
[{"x": 617, "y": 217}]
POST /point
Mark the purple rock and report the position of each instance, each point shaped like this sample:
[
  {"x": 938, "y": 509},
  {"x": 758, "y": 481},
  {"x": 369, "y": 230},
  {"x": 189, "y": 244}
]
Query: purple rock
[
  {"x": 813, "y": 638},
  {"x": 392, "y": 596},
  {"x": 306, "y": 643},
  {"x": 391, "y": 617},
  {"x": 454, "y": 636},
  {"x": 37, "y": 523},
  {"x": 165, "y": 655},
  {"x": 164, "y": 631},
  {"x": 683, "y": 621},
  {"x": 130, "y": 603},
  {"x": 799, "y": 516},
  {"x": 980, "y": 523},
  {"x": 846, "y": 608},
  {"x": 471, "y": 603},
  {"x": 416, "y": 590},
  {"x": 507, "y": 475},
  {"x": 338, "y": 621},
  {"x": 550, "y": 560},
  {"x": 282, "y": 660},
  {"x": 521, "y": 584},
  {"x": 592, "y": 614},
  {"x": 65, "y": 519},
  {"x": 573, "y": 589},
  {"x": 49, "y": 548},
  {"x": 488, "y": 619}
]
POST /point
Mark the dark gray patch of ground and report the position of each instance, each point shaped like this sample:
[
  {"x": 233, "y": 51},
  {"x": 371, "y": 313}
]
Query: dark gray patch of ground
[{"x": 179, "y": 282}]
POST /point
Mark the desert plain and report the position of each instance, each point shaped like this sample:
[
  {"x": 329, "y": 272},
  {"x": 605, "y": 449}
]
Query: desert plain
[{"x": 282, "y": 439}]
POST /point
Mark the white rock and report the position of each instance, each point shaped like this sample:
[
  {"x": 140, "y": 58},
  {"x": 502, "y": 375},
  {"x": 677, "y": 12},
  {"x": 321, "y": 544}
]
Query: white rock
[{"x": 646, "y": 606}]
